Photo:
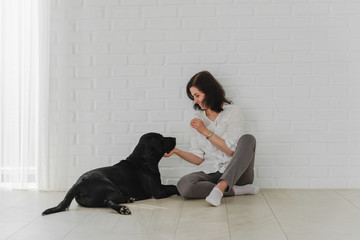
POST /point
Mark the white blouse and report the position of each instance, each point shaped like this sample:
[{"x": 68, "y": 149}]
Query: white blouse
[{"x": 228, "y": 125}]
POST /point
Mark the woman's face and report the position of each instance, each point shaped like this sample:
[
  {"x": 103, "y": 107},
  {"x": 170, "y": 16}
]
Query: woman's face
[{"x": 199, "y": 97}]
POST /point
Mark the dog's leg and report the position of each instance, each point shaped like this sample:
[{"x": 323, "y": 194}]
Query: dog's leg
[
  {"x": 156, "y": 189},
  {"x": 112, "y": 200},
  {"x": 123, "y": 210},
  {"x": 165, "y": 191},
  {"x": 171, "y": 189}
]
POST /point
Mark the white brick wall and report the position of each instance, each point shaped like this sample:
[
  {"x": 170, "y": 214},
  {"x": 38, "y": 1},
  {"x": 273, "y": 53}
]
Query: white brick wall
[{"x": 119, "y": 69}]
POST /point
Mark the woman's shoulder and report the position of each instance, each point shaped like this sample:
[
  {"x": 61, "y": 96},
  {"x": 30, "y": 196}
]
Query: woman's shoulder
[
  {"x": 232, "y": 112},
  {"x": 231, "y": 109}
]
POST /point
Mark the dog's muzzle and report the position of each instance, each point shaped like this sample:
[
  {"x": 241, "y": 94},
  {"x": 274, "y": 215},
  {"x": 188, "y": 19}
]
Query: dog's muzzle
[{"x": 169, "y": 144}]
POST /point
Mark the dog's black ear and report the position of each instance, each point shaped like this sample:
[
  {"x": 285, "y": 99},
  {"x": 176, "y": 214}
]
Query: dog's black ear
[
  {"x": 151, "y": 161},
  {"x": 152, "y": 142},
  {"x": 157, "y": 145},
  {"x": 153, "y": 152}
]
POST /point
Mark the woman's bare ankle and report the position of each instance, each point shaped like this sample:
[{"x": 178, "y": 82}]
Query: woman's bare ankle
[{"x": 222, "y": 185}]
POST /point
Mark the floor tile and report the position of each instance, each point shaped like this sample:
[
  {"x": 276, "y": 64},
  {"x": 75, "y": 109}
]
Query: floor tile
[
  {"x": 353, "y": 195},
  {"x": 153, "y": 217},
  {"x": 251, "y": 218},
  {"x": 313, "y": 212},
  {"x": 324, "y": 236},
  {"x": 199, "y": 220},
  {"x": 292, "y": 214},
  {"x": 117, "y": 236}
]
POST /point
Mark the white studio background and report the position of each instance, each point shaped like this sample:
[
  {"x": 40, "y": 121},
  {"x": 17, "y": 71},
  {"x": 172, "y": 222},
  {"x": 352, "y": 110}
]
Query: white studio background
[{"x": 119, "y": 69}]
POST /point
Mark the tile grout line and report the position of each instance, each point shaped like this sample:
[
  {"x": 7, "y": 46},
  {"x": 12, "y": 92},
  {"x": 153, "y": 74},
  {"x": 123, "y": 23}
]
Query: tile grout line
[
  {"x": 345, "y": 198},
  {"x": 274, "y": 214},
  {"x": 181, "y": 212},
  {"x": 25, "y": 225},
  {"x": 227, "y": 217},
  {"x": 77, "y": 224}
]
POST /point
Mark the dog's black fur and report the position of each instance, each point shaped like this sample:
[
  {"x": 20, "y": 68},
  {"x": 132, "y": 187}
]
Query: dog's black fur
[{"x": 135, "y": 178}]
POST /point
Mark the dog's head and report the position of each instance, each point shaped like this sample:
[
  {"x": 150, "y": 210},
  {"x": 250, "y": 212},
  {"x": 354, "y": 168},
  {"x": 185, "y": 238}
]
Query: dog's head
[{"x": 152, "y": 147}]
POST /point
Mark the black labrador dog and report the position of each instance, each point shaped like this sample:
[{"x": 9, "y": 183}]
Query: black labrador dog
[{"x": 135, "y": 178}]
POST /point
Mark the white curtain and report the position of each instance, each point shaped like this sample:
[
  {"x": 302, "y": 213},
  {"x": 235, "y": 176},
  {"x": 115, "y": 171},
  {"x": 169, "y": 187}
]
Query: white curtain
[{"x": 24, "y": 100}]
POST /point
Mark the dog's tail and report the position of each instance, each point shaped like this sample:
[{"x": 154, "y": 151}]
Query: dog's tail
[{"x": 70, "y": 195}]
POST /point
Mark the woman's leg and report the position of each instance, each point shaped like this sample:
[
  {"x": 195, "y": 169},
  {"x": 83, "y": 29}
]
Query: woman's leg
[
  {"x": 240, "y": 170},
  {"x": 198, "y": 184}
]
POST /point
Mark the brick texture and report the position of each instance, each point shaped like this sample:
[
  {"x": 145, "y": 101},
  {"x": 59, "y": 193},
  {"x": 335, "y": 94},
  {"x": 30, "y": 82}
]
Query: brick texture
[{"x": 119, "y": 69}]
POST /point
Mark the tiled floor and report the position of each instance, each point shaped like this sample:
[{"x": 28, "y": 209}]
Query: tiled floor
[{"x": 271, "y": 214}]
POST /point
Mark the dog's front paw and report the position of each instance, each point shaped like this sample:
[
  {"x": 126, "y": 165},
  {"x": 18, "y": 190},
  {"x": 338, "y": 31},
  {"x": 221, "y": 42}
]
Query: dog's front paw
[
  {"x": 123, "y": 210},
  {"x": 131, "y": 199},
  {"x": 174, "y": 190}
]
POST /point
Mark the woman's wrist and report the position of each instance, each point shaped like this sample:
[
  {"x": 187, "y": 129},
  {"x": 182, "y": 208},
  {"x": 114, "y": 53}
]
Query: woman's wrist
[
  {"x": 176, "y": 151},
  {"x": 209, "y": 135},
  {"x": 206, "y": 132}
]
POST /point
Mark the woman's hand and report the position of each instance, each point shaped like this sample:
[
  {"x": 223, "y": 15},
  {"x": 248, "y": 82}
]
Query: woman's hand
[
  {"x": 170, "y": 153},
  {"x": 198, "y": 124},
  {"x": 191, "y": 158},
  {"x": 215, "y": 140}
]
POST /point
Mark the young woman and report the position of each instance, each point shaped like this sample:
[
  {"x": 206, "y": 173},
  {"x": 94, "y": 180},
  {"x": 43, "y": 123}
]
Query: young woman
[{"x": 225, "y": 157}]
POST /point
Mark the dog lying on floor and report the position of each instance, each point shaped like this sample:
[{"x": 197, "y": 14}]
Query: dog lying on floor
[{"x": 135, "y": 178}]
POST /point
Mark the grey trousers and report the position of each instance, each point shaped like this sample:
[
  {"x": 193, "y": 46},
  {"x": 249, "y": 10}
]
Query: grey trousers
[{"x": 240, "y": 171}]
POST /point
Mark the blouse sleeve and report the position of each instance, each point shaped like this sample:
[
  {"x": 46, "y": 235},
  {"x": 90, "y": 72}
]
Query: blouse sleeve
[
  {"x": 234, "y": 128},
  {"x": 195, "y": 148}
]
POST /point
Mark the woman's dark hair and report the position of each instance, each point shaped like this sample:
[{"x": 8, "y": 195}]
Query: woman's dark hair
[{"x": 214, "y": 92}]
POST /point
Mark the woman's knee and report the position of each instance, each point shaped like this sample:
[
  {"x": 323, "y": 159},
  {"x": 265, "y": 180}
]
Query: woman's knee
[
  {"x": 247, "y": 139},
  {"x": 184, "y": 186}
]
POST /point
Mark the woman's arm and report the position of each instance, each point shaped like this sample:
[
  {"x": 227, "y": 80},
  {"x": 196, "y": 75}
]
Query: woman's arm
[
  {"x": 191, "y": 158},
  {"x": 219, "y": 143},
  {"x": 214, "y": 139}
]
